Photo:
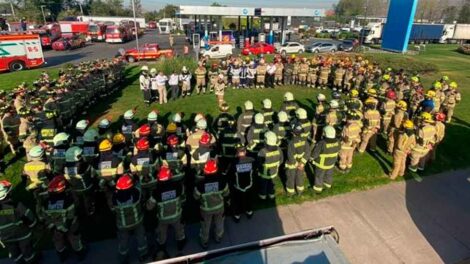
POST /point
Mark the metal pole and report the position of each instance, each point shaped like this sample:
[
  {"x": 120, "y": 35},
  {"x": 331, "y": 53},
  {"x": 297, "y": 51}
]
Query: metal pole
[
  {"x": 12, "y": 9},
  {"x": 135, "y": 27},
  {"x": 81, "y": 8},
  {"x": 43, "y": 15}
]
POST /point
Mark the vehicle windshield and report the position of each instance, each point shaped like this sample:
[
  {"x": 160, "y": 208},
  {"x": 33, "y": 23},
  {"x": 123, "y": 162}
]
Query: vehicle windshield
[
  {"x": 163, "y": 24},
  {"x": 315, "y": 44},
  {"x": 112, "y": 30},
  {"x": 285, "y": 45},
  {"x": 93, "y": 28}
]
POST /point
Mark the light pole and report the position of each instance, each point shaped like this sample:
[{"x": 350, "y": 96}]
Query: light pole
[
  {"x": 135, "y": 27},
  {"x": 81, "y": 8},
  {"x": 43, "y": 15},
  {"x": 12, "y": 9}
]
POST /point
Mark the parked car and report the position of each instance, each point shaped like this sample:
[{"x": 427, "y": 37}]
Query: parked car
[
  {"x": 346, "y": 45},
  {"x": 218, "y": 51},
  {"x": 147, "y": 52},
  {"x": 66, "y": 43},
  {"x": 318, "y": 47},
  {"x": 291, "y": 47},
  {"x": 259, "y": 48}
]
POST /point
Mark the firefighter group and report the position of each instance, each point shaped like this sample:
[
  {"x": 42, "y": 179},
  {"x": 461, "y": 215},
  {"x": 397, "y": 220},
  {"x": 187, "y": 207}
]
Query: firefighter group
[{"x": 166, "y": 166}]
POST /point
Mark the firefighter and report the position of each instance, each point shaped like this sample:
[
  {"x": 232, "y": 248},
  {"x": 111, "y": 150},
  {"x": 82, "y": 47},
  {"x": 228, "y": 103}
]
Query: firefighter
[
  {"x": 312, "y": 74},
  {"x": 405, "y": 142},
  {"x": 298, "y": 153},
  {"x": 425, "y": 138},
  {"x": 278, "y": 73},
  {"x": 371, "y": 126},
  {"x": 303, "y": 71},
  {"x": 16, "y": 223},
  {"x": 269, "y": 160},
  {"x": 144, "y": 82},
  {"x": 452, "y": 98},
  {"x": 90, "y": 145},
  {"x": 261, "y": 70},
  {"x": 387, "y": 109},
  {"x": 251, "y": 74},
  {"x": 200, "y": 78},
  {"x": 295, "y": 69},
  {"x": 288, "y": 74},
  {"x": 339, "y": 76},
  {"x": 333, "y": 117},
  {"x": 439, "y": 96},
  {"x": 282, "y": 130},
  {"x": 80, "y": 178},
  {"x": 61, "y": 144},
  {"x": 235, "y": 74},
  {"x": 10, "y": 125},
  {"x": 302, "y": 119},
  {"x": 26, "y": 124},
  {"x": 353, "y": 102},
  {"x": 80, "y": 129},
  {"x": 323, "y": 78},
  {"x": 157, "y": 131},
  {"x": 222, "y": 120},
  {"x": 267, "y": 112},
  {"x": 109, "y": 168},
  {"x": 219, "y": 89},
  {"x": 60, "y": 217},
  {"x": 174, "y": 156},
  {"x": 323, "y": 157},
  {"x": 37, "y": 173},
  {"x": 211, "y": 192},
  {"x": 245, "y": 120},
  {"x": 319, "y": 117},
  {"x": 289, "y": 105},
  {"x": 185, "y": 81},
  {"x": 168, "y": 199},
  {"x": 127, "y": 207},
  {"x": 213, "y": 76},
  {"x": 144, "y": 166},
  {"x": 350, "y": 139},
  {"x": 399, "y": 116},
  {"x": 203, "y": 152},
  {"x": 128, "y": 127},
  {"x": 440, "y": 119},
  {"x": 255, "y": 135},
  {"x": 241, "y": 178}
]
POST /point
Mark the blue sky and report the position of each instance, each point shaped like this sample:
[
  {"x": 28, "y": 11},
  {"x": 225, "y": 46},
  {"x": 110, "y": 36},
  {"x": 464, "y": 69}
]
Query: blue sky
[{"x": 157, "y": 4}]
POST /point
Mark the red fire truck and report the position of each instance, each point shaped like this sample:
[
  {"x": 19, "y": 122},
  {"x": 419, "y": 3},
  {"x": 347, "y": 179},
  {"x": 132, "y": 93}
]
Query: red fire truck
[{"x": 20, "y": 51}]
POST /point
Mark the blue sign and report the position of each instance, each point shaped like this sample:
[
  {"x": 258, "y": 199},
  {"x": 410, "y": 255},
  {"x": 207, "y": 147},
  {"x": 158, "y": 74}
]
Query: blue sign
[
  {"x": 245, "y": 11},
  {"x": 396, "y": 33}
]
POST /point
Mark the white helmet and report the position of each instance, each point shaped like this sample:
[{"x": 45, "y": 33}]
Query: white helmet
[
  {"x": 184, "y": 69},
  {"x": 334, "y": 104},
  {"x": 248, "y": 105},
  {"x": 301, "y": 113},
  {"x": 177, "y": 118},
  {"x": 267, "y": 104},
  {"x": 288, "y": 96},
  {"x": 329, "y": 132},
  {"x": 282, "y": 116},
  {"x": 144, "y": 68},
  {"x": 259, "y": 119},
  {"x": 321, "y": 97},
  {"x": 271, "y": 138},
  {"x": 153, "y": 71},
  {"x": 198, "y": 117}
]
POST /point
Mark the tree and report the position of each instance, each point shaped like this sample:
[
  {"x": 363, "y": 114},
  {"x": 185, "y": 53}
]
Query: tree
[
  {"x": 449, "y": 14},
  {"x": 464, "y": 14},
  {"x": 150, "y": 16},
  {"x": 109, "y": 8},
  {"x": 216, "y": 4},
  {"x": 167, "y": 11}
]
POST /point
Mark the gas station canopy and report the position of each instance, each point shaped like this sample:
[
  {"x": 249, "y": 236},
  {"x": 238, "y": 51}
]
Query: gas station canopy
[{"x": 250, "y": 11}]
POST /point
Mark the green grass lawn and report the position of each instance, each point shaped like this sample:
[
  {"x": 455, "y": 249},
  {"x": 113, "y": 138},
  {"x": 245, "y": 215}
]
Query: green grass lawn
[{"x": 369, "y": 170}]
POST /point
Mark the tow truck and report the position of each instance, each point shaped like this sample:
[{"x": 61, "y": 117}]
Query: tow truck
[{"x": 147, "y": 52}]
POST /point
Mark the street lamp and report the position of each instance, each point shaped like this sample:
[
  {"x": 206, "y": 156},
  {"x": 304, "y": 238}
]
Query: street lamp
[
  {"x": 135, "y": 26},
  {"x": 43, "y": 15}
]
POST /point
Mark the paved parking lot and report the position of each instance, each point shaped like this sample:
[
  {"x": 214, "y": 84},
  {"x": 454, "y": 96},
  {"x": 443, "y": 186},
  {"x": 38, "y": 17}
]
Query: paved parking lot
[{"x": 97, "y": 50}]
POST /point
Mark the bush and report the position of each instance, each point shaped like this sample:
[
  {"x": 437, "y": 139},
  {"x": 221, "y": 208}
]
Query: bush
[
  {"x": 412, "y": 65},
  {"x": 168, "y": 65},
  {"x": 464, "y": 49}
]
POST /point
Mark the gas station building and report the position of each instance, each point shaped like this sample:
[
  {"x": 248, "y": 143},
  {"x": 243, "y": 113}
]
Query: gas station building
[{"x": 283, "y": 15}]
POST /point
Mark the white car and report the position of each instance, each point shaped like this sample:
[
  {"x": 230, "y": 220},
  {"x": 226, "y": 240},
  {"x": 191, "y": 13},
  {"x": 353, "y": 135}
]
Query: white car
[
  {"x": 218, "y": 51},
  {"x": 291, "y": 47}
]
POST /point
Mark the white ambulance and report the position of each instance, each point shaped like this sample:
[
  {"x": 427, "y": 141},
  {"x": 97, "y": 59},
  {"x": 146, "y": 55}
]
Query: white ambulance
[{"x": 20, "y": 51}]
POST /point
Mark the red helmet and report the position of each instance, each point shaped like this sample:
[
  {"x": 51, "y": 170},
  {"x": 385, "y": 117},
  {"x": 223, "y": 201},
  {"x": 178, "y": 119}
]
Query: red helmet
[
  {"x": 124, "y": 182},
  {"x": 144, "y": 130},
  {"x": 172, "y": 140},
  {"x": 391, "y": 95},
  {"x": 441, "y": 117},
  {"x": 142, "y": 144},
  {"x": 210, "y": 167},
  {"x": 205, "y": 139},
  {"x": 164, "y": 174},
  {"x": 57, "y": 185}
]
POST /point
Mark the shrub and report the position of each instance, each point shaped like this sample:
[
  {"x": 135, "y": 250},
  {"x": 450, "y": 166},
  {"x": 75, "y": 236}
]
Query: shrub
[
  {"x": 409, "y": 64},
  {"x": 464, "y": 49}
]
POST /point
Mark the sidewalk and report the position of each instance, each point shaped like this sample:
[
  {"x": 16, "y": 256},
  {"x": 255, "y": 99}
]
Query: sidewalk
[{"x": 405, "y": 222}]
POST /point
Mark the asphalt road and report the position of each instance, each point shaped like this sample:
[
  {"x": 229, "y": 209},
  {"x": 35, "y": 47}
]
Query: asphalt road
[{"x": 98, "y": 50}]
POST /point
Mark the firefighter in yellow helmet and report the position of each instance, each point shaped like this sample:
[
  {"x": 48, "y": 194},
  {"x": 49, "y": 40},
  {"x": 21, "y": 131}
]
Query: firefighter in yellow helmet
[
  {"x": 270, "y": 158},
  {"x": 405, "y": 142},
  {"x": 371, "y": 126},
  {"x": 324, "y": 157},
  {"x": 399, "y": 116},
  {"x": 425, "y": 138},
  {"x": 298, "y": 154},
  {"x": 350, "y": 139},
  {"x": 452, "y": 98}
]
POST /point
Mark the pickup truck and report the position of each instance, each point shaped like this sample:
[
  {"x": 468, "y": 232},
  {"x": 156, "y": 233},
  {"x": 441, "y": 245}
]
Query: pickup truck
[{"x": 147, "y": 52}]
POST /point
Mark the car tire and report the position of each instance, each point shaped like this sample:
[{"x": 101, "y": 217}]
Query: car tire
[
  {"x": 333, "y": 51},
  {"x": 131, "y": 59},
  {"x": 300, "y": 51},
  {"x": 16, "y": 66},
  {"x": 316, "y": 51},
  {"x": 284, "y": 53}
]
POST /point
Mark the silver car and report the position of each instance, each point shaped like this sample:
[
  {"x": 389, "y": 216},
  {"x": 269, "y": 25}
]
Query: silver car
[{"x": 318, "y": 47}]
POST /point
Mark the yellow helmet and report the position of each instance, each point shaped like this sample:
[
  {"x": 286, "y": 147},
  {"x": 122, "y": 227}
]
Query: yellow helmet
[
  {"x": 119, "y": 138},
  {"x": 386, "y": 77},
  {"x": 426, "y": 117},
  {"x": 415, "y": 79},
  {"x": 402, "y": 105},
  {"x": 370, "y": 101},
  {"x": 437, "y": 85},
  {"x": 453, "y": 85},
  {"x": 293, "y": 56},
  {"x": 408, "y": 124},
  {"x": 430, "y": 94},
  {"x": 105, "y": 145},
  {"x": 354, "y": 93},
  {"x": 171, "y": 128},
  {"x": 372, "y": 92}
]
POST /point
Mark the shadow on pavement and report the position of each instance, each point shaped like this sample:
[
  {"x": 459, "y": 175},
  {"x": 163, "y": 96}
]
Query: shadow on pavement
[{"x": 65, "y": 58}]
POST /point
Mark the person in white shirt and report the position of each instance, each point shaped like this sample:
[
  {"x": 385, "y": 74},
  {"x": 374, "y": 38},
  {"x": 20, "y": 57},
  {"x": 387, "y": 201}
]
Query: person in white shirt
[
  {"x": 153, "y": 83},
  {"x": 174, "y": 87},
  {"x": 271, "y": 71},
  {"x": 161, "y": 87},
  {"x": 144, "y": 82}
]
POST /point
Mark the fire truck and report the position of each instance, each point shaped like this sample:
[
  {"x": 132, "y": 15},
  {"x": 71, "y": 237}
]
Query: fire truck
[{"x": 20, "y": 51}]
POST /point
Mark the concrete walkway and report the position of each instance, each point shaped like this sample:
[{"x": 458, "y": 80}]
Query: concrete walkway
[{"x": 405, "y": 222}]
